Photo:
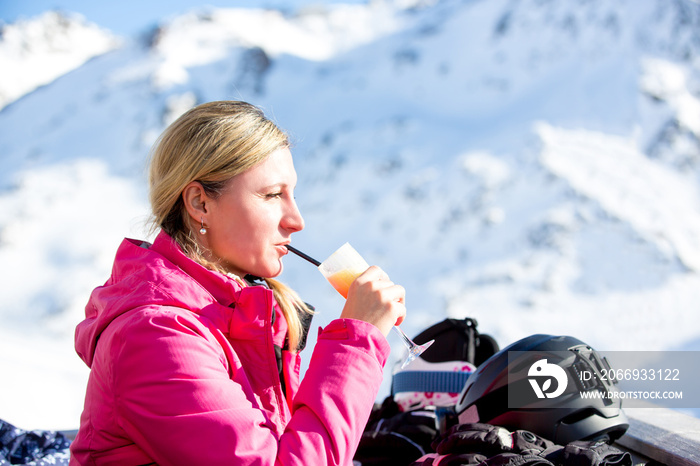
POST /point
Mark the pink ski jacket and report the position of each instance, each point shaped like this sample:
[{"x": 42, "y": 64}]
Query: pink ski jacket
[{"x": 184, "y": 371}]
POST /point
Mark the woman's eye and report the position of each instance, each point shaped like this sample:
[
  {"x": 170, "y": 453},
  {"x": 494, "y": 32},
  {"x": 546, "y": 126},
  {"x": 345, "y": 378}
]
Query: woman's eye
[{"x": 274, "y": 195}]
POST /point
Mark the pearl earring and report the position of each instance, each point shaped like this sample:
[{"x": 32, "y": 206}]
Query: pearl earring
[{"x": 202, "y": 231}]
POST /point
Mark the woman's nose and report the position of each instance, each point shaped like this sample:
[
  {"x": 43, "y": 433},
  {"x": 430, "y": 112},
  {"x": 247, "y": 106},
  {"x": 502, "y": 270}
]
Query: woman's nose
[{"x": 293, "y": 220}]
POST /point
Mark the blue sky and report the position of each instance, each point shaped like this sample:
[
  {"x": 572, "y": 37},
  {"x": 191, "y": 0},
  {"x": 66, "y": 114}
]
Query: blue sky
[{"x": 128, "y": 17}]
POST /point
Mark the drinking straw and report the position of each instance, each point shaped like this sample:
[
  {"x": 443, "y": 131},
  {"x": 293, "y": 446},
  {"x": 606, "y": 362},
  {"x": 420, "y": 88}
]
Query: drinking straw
[{"x": 303, "y": 256}]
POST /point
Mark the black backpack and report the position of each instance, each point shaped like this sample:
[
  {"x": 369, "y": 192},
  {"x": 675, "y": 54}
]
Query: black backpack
[
  {"x": 457, "y": 340},
  {"x": 392, "y": 437}
]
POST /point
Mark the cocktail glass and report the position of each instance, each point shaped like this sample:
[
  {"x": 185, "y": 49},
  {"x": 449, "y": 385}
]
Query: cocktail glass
[{"x": 341, "y": 269}]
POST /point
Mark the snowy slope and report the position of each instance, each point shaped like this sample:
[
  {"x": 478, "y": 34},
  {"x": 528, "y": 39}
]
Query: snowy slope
[
  {"x": 531, "y": 164},
  {"x": 35, "y": 52}
]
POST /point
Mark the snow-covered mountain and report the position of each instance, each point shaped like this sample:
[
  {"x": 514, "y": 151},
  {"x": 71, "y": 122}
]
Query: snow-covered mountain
[
  {"x": 533, "y": 164},
  {"x": 35, "y": 52}
]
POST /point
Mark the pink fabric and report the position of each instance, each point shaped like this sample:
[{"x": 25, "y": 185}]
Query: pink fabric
[
  {"x": 432, "y": 459},
  {"x": 183, "y": 371}
]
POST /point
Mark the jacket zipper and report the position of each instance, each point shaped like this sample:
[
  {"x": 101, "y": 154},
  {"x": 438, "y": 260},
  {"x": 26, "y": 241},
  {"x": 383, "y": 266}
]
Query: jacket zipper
[{"x": 279, "y": 399}]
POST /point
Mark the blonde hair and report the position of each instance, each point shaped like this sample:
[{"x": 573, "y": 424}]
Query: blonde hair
[{"x": 212, "y": 143}]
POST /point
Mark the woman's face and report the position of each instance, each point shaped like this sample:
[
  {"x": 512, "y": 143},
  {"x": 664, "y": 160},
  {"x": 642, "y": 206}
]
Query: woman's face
[{"x": 250, "y": 223}]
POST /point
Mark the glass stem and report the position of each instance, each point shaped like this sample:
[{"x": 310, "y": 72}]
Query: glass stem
[{"x": 407, "y": 341}]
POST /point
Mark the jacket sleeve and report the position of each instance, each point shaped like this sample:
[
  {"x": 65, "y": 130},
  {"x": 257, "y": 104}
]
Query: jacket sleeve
[
  {"x": 181, "y": 403},
  {"x": 337, "y": 393}
]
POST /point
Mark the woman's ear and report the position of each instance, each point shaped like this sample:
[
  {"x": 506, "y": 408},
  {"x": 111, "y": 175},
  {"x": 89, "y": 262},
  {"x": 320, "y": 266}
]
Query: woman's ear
[{"x": 195, "y": 199}]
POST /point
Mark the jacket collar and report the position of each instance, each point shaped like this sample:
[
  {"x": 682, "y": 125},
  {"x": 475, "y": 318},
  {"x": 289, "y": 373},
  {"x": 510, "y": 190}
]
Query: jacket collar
[{"x": 223, "y": 288}]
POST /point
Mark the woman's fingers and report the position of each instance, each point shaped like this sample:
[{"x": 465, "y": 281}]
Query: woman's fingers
[
  {"x": 374, "y": 298},
  {"x": 373, "y": 274}
]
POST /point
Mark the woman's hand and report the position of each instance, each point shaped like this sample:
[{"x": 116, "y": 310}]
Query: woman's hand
[{"x": 374, "y": 298}]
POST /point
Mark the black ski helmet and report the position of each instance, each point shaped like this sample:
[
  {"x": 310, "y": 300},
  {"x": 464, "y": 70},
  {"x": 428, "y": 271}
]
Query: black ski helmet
[{"x": 555, "y": 386}]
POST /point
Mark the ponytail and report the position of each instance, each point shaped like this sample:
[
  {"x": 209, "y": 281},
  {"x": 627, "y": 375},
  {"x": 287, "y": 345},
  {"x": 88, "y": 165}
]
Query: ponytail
[{"x": 292, "y": 308}]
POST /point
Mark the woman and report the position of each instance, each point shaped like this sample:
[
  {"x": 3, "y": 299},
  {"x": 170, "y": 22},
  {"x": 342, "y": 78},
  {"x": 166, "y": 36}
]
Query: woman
[{"x": 191, "y": 361}]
